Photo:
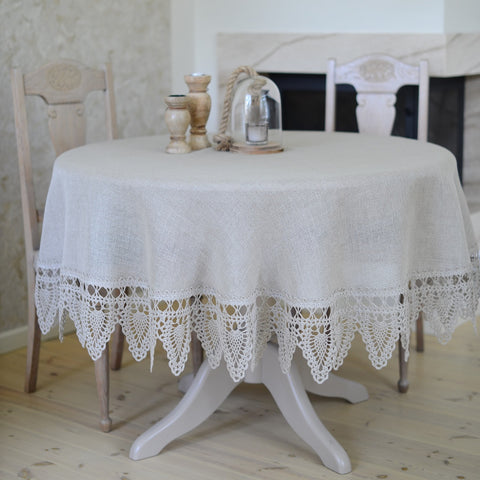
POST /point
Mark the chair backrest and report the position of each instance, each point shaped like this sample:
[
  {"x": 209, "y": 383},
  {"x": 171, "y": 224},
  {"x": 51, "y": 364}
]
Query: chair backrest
[
  {"x": 63, "y": 85},
  {"x": 377, "y": 78}
]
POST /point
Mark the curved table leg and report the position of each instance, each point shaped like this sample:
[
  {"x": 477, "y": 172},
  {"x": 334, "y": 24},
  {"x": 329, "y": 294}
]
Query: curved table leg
[
  {"x": 290, "y": 396},
  {"x": 206, "y": 393},
  {"x": 210, "y": 388},
  {"x": 334, "y": 386}
]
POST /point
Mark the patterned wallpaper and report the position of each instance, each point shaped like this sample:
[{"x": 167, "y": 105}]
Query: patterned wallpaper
[{"x": 134, "y": 36}]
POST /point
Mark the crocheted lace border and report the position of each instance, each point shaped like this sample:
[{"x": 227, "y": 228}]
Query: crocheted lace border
[{"x": 238, "y": 331}]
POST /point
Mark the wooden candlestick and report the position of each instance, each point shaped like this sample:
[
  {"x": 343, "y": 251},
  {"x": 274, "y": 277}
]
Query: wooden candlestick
[
  {"x": 177, "y": 117},
  {"x": 200, "y": 104}
]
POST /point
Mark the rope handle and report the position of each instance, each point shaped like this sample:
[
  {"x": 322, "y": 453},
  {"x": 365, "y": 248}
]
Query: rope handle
[{"x": 221, "y": 139}]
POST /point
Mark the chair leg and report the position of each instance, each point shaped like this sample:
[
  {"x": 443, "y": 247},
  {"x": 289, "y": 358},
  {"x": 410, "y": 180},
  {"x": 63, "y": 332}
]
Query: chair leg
[
  {"x": 403, "y": 364},
  {"x": 117, "y": 341},
  {"x": 102, "y": 377},
  {"x": 33, "y": 346},
  {"x": 197, "y": 353},
  {"x": 420, "y": 346}
]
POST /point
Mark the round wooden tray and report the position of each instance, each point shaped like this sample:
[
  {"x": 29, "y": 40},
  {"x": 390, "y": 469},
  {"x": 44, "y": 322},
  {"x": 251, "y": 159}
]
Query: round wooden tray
[{"x": 256, "y": 149}]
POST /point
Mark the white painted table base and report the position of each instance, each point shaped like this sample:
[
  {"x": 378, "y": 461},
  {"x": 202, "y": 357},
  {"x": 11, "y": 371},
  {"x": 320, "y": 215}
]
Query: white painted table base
[{"x": 211, "y": 387}]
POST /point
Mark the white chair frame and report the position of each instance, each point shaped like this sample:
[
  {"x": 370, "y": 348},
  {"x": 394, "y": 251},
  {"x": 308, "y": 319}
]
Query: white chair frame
[{"x": 376, "y": 79}]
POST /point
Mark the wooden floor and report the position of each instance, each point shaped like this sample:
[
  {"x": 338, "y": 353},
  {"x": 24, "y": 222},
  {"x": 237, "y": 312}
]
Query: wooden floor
[{"x": 432, "y": 432}]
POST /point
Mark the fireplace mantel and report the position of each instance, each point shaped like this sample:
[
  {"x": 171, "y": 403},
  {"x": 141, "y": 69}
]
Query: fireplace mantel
[{"x": 447, "y": 55}]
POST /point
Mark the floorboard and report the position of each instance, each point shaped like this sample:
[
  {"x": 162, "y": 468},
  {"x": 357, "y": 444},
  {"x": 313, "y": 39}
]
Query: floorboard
[{"x": 432, "y": 432}]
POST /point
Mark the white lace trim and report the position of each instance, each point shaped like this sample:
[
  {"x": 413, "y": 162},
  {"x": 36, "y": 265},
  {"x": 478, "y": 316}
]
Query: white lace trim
[{"x": 239, "y": 331}]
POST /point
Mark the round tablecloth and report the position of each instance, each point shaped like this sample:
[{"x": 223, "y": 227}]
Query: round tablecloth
[{"x": 340, "y": 233}]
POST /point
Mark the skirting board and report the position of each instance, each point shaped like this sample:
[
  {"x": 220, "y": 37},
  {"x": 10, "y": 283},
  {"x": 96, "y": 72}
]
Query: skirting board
[{"x": 17, "y": 337}]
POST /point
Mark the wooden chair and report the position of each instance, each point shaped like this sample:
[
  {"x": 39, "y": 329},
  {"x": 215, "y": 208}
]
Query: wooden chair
[
  {"x": 376, "y": 79},
  {"x": 63, "y": 86}
]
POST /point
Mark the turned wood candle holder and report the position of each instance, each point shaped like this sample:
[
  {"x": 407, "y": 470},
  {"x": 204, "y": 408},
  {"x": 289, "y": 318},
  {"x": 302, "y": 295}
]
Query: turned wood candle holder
[
  {"x": 199, "y": 106},
  {"x": 177, "y": 118}
]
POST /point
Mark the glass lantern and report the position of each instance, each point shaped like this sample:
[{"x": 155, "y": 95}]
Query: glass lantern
[{"x": 256, "y": 116}]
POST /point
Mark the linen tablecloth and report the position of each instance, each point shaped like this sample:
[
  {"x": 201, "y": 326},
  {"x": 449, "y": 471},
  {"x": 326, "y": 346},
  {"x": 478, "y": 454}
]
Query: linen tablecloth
[{"x": 338, "y": 234}]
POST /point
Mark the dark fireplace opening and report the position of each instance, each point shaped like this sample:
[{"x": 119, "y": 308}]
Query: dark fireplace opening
[{"x": 303, "y": 108}]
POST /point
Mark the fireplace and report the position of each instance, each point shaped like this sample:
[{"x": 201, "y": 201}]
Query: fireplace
[{"x": 303, "y": 108}]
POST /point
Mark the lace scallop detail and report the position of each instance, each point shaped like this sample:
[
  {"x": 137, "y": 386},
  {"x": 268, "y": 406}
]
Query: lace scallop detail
[{"x": 238, "y": 331}]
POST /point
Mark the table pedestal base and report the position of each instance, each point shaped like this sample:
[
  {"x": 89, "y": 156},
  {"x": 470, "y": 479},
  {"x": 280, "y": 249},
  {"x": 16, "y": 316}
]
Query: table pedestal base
[{"x": 211, "y": 387}]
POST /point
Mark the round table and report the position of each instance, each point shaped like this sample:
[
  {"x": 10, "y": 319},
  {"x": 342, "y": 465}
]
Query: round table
[{"x": 339, "y": 233}]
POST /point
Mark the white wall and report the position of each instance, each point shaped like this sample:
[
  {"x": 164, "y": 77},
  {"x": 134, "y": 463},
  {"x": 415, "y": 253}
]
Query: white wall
[
  {"x": 195, "y": 23},
  {"x": 462, "y": 16}
]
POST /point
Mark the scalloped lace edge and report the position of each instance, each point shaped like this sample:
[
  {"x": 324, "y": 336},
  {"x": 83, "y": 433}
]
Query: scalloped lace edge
[{"x": 239, "y": 331}]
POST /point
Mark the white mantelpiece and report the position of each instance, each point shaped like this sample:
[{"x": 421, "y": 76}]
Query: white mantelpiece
[{"x": 449, "y": 55}]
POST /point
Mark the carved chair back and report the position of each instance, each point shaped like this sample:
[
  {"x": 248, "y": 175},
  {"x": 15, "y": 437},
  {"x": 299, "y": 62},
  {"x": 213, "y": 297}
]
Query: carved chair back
[
  {"x": 63, "y": 85},
  {"x": 377, "y": 78}
]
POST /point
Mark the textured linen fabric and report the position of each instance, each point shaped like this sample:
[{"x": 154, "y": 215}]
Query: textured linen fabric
[{"x": 339, "y": 233}]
